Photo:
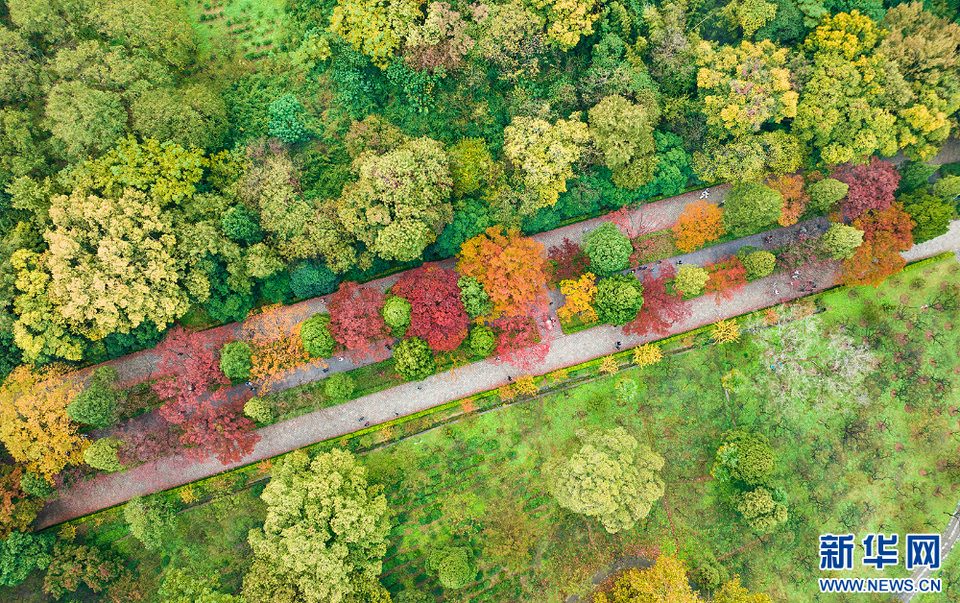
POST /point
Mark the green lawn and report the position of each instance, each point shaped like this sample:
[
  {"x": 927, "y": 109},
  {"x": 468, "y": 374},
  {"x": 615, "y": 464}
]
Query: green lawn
[{"x": 248, "y": 28}]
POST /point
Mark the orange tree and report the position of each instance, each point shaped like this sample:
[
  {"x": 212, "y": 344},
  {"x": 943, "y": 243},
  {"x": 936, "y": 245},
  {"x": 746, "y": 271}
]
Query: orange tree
[
  {"x": 275, "y": 351},
  {"x": 510, "y": 267},
  {"x": 726, "y": 278},
  {"x": 700, "y": 223},
  {"x": 885, "y": 234},
  {"x": 795, "y": 198},
  {"x": 34, "y": 425}
]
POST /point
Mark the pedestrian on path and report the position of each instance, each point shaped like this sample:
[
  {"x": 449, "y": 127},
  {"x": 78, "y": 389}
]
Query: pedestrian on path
[
  {"x": 361, "y": 419},
  {"x": 367, "y": 424},
  {"x": 618, "y": 345},
  {"x": 679, "y": 262}
]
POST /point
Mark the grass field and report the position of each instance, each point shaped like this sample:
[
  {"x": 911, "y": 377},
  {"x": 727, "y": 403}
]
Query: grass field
[{"x": 228, "y": 27}]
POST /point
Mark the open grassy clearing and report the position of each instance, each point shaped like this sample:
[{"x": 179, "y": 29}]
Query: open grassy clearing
[{"x": 248, "y": 28}]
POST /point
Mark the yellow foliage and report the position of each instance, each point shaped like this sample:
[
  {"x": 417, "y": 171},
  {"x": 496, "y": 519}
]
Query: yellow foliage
[
  {"x": 544, "y": 154},
  {"x": 849, "y": 34},
  {"x": 700, "y": 223},
  {"x": 579, "y": 294},
  {"x": 187, "y": 495},
  {"x": 507, "y": 393},
  {"x": 527, "y": 385},
  {"x": 67, "y": 532},
  {"x": 609, "y": 365},
  {"x": 559, "y": 375},
  {"x": 377, "y": 28},
  {"x": 725, "y": 331},
  {"x": 647, "y": 354},
  {"x": 568, "y": 20}
]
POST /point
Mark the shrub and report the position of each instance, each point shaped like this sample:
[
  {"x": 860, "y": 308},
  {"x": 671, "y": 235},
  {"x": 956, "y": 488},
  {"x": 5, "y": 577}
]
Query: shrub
[
  {"x": 309, "y": 280},
  {"x": 475, "y": 299},
  {"x": 285, "y": 120},
  {"x": 452, "y": 565},
  {"x": 102, "y": 454},
  {"x": 618, "y": 299},
  {"x": 316, "y": 337},
  {"x": 749, "y": 206},
  {"x": 413, "y": 359},
  {"x": 396, "y": 314},
  {"x": 339, "y": 386},
  {"x": 914, "y": 175},
  {"x": 826, "y": 193},
  {"x": 97, "y": 404},
  {"x": 34, "y": 485},
  {"x": 235, "y": 361},
  {"x": 240, "y": 224},
  {"x": 150, "y": 519},
  {"x": 258, "y": 410},
  {"x": 759, "y": 264},
  {"x": 691, "y": 280},
  {"x": 626, "y": 390},
  {"x": 482, "y": 341},
  {"x": 609, "y": 249},
  {"x": 20, "y": 554},
  {"x": 841, "y": 241}
]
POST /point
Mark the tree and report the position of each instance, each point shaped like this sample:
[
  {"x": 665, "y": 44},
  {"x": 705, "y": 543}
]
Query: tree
[
  {"x": 401, "y": 201},
  {"x": 235, "y": 360},
  {"x": 510, "y": 268},
  {"x": 914, "y": 175},
  {"x": 749, "y": 15},
  {"x": 760, "y": 509},
  {"x": 759, "y": 264},
  {"x": 72, "y": 564},
  {"x": 885, "y": 234},
  {"x": 437, "y": 313},
  {"x": 725, "y": 331},
  {"x": 18, "y": 67},
  {"x": 316, "y": 337},
  {"x": 511, "y": 37},
  {"x": 947, "y": 188},
  {"x": 102, "y": 455},
  {"x": 322, "y": 545},
  {"x": 285, "y": 120},
  {"x": 440, "y": 41},
  {"x": 871, "y": 187},
  {"x": 97, "y": 404},
  {"x": 34, "y": 425},
  {"x": 475, "y": 299},
  {"x": 690, "y": 280},
  {"x": 748, "y": 158},
  {"x": 355, "y": 320},
  {"x": 609, "y": 249},
  {"x": 17, "y": 509},
  {"x": 258, "y": 410},
  {"x": 544, "y": 154},
  {"x": 183, "y": 586},
  {"x": 413, "y": 359},
  {"x": 376, "y": 29},
  {"x": 795, "y": 200},
  {"x": 841, "y": 241},
  {"x": 744, "y": 459},
  {"x": 726, "y": 278},
  {"x": 623, "y": 132},
  {"x": 339, "y": 386},
  {"x": 309, "y": 280},
  {"x": 191, "y": 116},
  {"x": 579, "y": 295},
  {"x": 733, "y": 592},
  {"x": 750, "y": 206},
  {"x": 21, "y": 553},
  {"x": 151, "y": 520},
  {"x": 825, "y": 193},
  {"x": 567, "y": 262},
  {"x": 453, "y": 566},
  {"x": 666, "y": 581},
  {"x": 34, "y": 485},
  {"x": 518, "y": 342},
  {"x": 660, "y": 310},
  {"x": 611, "y": 477},
  {"x": 471, "y": 165},
  {"x": 618, "y": 299},
  {"x": 700, "y": 223},
  {"x": 396, "y": 315},
  {"x": 482, "y": 341},
  {"x": 84, "y": 120},
  {"x": 930, "y": 214}
]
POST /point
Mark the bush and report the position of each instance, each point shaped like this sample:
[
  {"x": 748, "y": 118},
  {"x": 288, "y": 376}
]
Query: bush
[
  {"x": 452, "y": 565},
  {"x": 750, "y": 206},
  {"x": 482, "y": 341},
  {"x": 339, "y": 386},
  {"x": 618, "y": 299},
  {"x": 626, "y": 390},
  {"x": 34, "y": 485},
  {"x": 915, "y": 175},
  {"x": 258, "y": 410},
  {"x": 475, "y": 299},
  {"x": 240, "y": 224},
  {"x": 316, "y": 337},
  {"x": 826, "y": 193},
  {"x": 396, "y": 314},
  {"x": 20, "y": 554},
  {"x": 691, "y": 280},
  {"x": 235, "y": 361},
  {"x": 841, "y": 241},
  {"x": 102, "y": 454},
  {"x": 309, "y": 280},
  {"x": 609, "y": 249},
  {"x": 150, "y": 519},
  {"x": 931, "y": 215},
  {"x": 285, "y": 120},
  {"x": 97, "y": 404},
  {"x": 759, "y": 264},
  {"x": 413, "y": 359}
]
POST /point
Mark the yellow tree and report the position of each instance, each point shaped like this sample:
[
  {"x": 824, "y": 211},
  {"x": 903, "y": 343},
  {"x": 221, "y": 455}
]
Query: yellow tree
[
  {"x": 34, "y": 425},
  {"x": 579, "y": 294},
  {"x": 725, "y": 331},
  {"x": 665, "y": 582},
  {"x": 647, "y": 354},
  {"x": 377, "y": 28},
  {"x": 544, "y": 154},
  {"x": 568, "y": 20}
]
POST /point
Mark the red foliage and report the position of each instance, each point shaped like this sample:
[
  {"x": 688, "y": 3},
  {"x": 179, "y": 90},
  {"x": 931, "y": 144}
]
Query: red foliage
[
  {"x": 871, "y": 187},
  {"x": 517, "y": 342},
  {"x": 726, "y": 278},
  {"x": 892, "y": 223},
  {"x": 885, "y": 234},
  {"x": 804, "y": 252},
  {"x": 355, "y": 319},
  {"x": 660, "y": 310},
  {"x": 142, "y": 443},
  {"x": 221, "y": 430},
  {"x": 436, "y": 315},
  {"x": 629, "y": 221},
  {"x": 568, "y": 262}
]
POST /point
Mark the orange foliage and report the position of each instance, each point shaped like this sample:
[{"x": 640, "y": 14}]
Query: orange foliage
[
  {"x": 276, "y": 351},
  {"x": 700, "y": 223},
  {"x": 510, "y": 267},
  {"x": 795, "y": 198}
]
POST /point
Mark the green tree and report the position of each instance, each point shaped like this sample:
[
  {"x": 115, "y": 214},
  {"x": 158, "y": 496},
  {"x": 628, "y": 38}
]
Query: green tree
[
  {"x": 930, "y": 214},
  {"x": 471, "y": 165},
  {"x": 322, "y": 545},
  {"x": 609, "y": 249},
  {"x": 316, "y": 337},
  {"x": 339, "y": 386},
  {"x": 396, "y": 314},
  {"x": 841, "y": 241},
  {"x": 482, "y": 341},
  {"x": 611, "y": 478},
  {"x": 309, "y": 280},
  {"x": 744, "y": 459},
  {"x": 97, "y": 404},
  {"x": 236, "y": 360},
  {"x": 19, "y": 68},
  {"x": 72, "y": 564},
  {"x": 618, "y": 299},
  {"x": 544, "y": 154},
  {"x": 159, "y": 27},
  {"x": 22, "y": 151},
  {"x": 240, "y": 224},
  {"x": 151, "y": 520},
  {"x": 475, "y": 299},
  {"x": 182, "y": 586},
  {"x": 759, "y": 264},
  {"x": 413, "y": 359},
  {"x": 102, "y": 454},
  {"x": 398, "y": 216},
  {"x": 947, "y": 188},
  {"x": 191, "y": 116},
  {"x": 285, "y": 122},
  {"x": 749, "y": 15},
  {"x": 749, "y": 206},
  {"x": 623, "y": 132},
  {"x": 825, "y": 193},
  {"x": 259, "y": 410},
  {"x": 453, "y": 566},
  {"x": 748, "y": 158},
  {"x": 914, "y": 175},
  {"x": 21, "y": 553},
  {"x": 691, "y": 280},
  {"x": 84, "y": 120},
  {"x": 35, "y": 485},
  {"x": 760, "y": 509}
]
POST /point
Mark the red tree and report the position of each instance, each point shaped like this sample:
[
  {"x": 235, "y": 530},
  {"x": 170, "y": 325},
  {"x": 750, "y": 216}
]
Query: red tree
[
  {"x": 355, "y": 319},
  {"x": 568, "y": 261},
  {"x": 871, "y": 187},
  {"x": 726, "y": 278},
  {"x": 885, "y": 234},
  {"x": 221, "y": 430},
  {"x": 436, "y": 314},
  {"x": 660, "y": 310},
  {"x": 517, "y": 342}
]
